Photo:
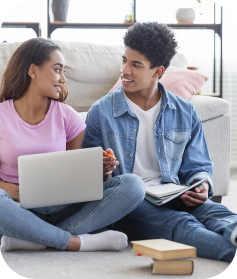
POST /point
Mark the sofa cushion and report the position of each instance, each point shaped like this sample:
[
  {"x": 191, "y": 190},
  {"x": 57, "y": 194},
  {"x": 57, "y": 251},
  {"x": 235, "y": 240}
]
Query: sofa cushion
[
  {"x": 6, "y": 51},
  {"x": 91, "y": 70},
  {"x": 83, "y": 115},
  {"x": 209, "y": 107}
]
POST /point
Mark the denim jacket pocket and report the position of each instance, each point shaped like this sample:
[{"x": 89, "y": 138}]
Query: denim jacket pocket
[{"x": 175, "y": 142}]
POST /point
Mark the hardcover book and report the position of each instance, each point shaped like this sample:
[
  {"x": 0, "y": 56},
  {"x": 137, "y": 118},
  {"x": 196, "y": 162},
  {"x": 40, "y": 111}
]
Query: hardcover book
[
  {"x": 172, "y": 267},
  {"x": 163, "y": 249}
]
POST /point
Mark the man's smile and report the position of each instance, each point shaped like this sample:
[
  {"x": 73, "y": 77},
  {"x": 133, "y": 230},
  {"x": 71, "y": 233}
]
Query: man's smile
[{"x": 126, "y": 81}]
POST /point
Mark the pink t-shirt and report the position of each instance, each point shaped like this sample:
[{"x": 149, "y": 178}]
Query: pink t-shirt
[{"x": 61, "y": 125}]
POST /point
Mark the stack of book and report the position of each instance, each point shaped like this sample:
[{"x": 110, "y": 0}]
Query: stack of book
[{"x": 169, "y": 257}]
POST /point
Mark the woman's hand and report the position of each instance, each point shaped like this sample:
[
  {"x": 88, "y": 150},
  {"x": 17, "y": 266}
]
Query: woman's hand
[
  {"x": 12, "y": 190},
  {"x": 109, "y": 164}
]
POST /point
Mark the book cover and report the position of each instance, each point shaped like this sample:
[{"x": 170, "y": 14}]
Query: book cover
[
  {"x": 163, "y": 249},
  {"x": 172, "y": 267}
]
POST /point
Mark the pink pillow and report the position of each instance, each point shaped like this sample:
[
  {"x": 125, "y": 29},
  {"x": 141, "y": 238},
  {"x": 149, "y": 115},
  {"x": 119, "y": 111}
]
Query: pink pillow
[{"x": 182, "y": 82}]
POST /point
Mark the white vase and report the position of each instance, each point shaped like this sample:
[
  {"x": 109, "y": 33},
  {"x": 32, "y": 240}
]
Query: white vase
[{"x": 185, "y": 15}]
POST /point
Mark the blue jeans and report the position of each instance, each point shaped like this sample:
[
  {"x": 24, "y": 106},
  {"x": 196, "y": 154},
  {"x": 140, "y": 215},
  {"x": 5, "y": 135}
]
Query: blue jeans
[
  {"x": 53, "y": 226},
  {"x": 207, "y": 227}
]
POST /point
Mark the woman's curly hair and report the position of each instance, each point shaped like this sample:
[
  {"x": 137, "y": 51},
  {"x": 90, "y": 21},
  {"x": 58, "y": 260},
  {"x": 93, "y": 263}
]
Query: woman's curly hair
[{"x": 154, "y": 40}]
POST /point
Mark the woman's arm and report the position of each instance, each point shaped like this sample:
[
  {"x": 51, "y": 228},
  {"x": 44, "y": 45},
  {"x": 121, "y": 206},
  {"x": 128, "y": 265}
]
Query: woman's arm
[
  {"x": 11, "y": 189},
  {"x": 76, "y": 142}
]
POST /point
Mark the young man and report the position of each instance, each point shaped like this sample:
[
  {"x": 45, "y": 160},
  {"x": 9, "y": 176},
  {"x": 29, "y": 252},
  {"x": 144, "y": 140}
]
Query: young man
[{"x": 159, "y": 136}]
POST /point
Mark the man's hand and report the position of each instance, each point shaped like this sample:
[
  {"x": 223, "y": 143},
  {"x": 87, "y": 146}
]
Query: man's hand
[
  {"x": 13, "y": 191},
  {"x": 196, "y": 197},
  {"x": 109, "y": 164}
]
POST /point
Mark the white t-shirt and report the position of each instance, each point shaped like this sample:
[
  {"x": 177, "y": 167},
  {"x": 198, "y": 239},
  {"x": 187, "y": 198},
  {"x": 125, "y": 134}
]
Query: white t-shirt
[{"x": 146, "y": 163}]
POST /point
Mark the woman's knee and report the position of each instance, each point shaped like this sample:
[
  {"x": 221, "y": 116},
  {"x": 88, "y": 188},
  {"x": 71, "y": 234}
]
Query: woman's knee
[
  {"x": 134, "y": 185},
  {"x": 3, "y": 196},
  {"x": 4, "y": 200}
]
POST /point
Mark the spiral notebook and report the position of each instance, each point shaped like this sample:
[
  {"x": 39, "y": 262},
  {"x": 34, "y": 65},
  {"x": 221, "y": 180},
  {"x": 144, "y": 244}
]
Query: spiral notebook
[{"x": 163, "y": 193}]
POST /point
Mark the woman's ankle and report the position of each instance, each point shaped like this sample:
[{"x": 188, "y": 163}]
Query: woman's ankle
[{"x": 74, "y": 243}]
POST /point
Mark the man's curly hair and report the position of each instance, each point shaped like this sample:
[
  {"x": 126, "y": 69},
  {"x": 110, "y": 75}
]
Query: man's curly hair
[{"x": 154, "y": 40}]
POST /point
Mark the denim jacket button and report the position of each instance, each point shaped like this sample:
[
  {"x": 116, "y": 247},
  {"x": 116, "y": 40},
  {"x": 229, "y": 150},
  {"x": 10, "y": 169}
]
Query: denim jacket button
[
  {"x": 177, "y": 138},
  {"x": 134, "y": 130},
  {"x": 131, "y": 155}
]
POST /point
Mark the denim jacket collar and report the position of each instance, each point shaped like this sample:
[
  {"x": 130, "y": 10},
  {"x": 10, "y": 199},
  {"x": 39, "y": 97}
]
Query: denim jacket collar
[{"x": 120, "y": 106}]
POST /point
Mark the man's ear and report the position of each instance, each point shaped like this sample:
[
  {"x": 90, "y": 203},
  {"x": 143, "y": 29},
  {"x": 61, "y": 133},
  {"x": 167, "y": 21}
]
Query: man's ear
[
  {"x": 32, "y": 71},
  {"x": 159, "y": 71}
]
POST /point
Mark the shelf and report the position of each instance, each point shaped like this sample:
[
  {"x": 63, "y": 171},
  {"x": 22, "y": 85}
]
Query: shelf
[
  {"x": 33, "y": 25},
  {"x": 90, "y": 25},
  {"x": 214, "y": 26},
  {"x": 55, "y": 25},
  {"x": 217, "y": 28}
]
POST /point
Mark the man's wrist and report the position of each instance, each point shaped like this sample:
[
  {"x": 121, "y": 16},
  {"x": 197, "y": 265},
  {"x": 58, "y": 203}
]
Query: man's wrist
[{"x": 106, "y": 177}]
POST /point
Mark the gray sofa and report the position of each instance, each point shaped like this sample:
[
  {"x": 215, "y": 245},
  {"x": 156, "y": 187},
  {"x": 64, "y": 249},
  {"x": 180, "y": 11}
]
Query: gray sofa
[{"x": 91, "y": 72}]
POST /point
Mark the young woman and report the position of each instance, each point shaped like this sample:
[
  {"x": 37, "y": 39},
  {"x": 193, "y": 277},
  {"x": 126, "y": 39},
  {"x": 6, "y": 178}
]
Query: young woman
[{"x": 34, "y": 119}]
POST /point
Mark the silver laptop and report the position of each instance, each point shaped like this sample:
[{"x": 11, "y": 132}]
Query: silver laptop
[{"x": 60, "y": 177}]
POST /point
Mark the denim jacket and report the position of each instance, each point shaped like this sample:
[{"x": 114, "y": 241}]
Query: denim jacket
[{"x": 181, "y": 147}]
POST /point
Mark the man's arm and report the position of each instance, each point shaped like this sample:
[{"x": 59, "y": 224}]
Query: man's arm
[
  {"x": 92, "y": 135},
  {"x": 93, "y": 138},
  {"x": 196, "y": 164}
]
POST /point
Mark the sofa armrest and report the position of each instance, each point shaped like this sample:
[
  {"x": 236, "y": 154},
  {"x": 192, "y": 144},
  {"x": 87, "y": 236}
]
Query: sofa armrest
[
  {"x": 217, "y": 134},
  {"x": 216, "y": 125},
  {"x": 209, "y": 107}
]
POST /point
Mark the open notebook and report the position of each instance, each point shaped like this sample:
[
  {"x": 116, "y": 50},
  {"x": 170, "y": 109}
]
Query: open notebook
[{"x": 162, "y": 193}]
